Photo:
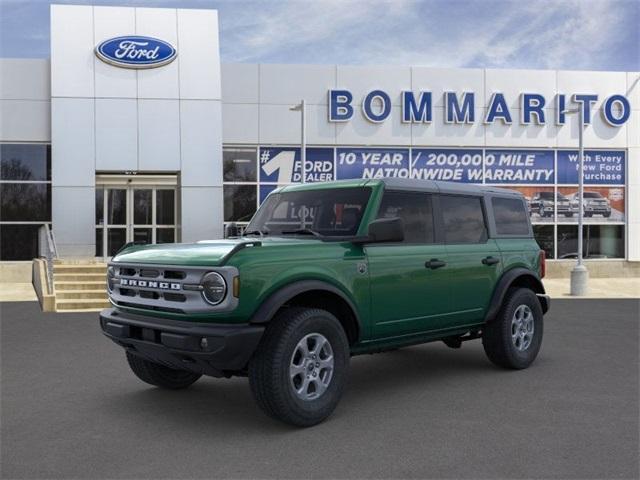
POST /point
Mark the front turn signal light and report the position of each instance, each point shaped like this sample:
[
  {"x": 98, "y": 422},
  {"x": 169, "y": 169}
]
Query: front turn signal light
[{"x": 236, "y": 286}]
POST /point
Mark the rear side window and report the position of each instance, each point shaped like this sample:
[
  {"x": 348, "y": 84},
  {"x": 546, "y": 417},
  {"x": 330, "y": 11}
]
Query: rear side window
[
  {"x": 463, "y": 219},
  {"x": 511, "y": 216},
  {"x": 416, "y": 212}
]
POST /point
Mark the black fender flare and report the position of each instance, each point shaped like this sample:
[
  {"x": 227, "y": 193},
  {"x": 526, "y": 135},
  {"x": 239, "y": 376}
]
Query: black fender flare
[
  {"x": 506, "y": 280},
  {"x": 276, "y": 300}
]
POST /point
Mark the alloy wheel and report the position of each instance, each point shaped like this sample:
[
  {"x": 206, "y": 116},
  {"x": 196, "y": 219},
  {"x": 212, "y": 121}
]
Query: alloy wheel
[
  {"x": 311, "y": 366},
  {"x": 522, "y": 327}
]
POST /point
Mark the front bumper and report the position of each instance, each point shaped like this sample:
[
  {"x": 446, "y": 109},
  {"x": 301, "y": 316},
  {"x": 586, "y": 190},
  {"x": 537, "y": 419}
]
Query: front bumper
[
  {"x": 180, "y": 345},
  {"x": 598, "y": 209},
  {"x": 565, "y": 209}
]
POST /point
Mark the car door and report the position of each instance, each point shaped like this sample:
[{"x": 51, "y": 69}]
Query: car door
[
  {"x": 474, "y": 261},
  {"x": 409, "y": 290}
]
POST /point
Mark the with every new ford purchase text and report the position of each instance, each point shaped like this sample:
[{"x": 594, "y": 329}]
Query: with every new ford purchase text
[{"x": 326, "y": 271}]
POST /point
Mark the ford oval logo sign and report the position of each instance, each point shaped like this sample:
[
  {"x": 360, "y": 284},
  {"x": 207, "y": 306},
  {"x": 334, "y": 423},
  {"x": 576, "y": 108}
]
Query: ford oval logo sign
[{"x": 134, "y": 51}]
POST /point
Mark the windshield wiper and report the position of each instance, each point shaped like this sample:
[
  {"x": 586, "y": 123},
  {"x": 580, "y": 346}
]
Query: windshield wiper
[
  {"x": 255, "y": 232},
  {"x": 303, "y": 231}
]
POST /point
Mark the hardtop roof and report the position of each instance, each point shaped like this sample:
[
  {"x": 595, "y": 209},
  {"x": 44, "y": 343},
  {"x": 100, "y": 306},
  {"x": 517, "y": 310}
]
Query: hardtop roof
[{"x": 445, "y": 187}]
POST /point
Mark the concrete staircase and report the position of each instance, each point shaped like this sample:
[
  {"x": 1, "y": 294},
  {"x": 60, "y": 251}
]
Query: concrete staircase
[{"x": 80, "y": 286}]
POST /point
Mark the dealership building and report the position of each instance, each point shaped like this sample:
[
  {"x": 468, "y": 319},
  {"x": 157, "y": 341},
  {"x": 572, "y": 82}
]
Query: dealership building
[{"x": 105, "y": 151}]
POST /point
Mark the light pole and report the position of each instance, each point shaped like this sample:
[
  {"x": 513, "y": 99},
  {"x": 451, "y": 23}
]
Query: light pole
[
  {"x": 303, "y": 136},
  {"x": 579, "y": 273}
]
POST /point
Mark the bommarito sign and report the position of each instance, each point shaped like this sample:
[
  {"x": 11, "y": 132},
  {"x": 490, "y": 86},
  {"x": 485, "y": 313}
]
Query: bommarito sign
[{"x": 460, "y": 108}]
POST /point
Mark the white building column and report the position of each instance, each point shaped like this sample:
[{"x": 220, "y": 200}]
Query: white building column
[{"x": 633, "y": 168}]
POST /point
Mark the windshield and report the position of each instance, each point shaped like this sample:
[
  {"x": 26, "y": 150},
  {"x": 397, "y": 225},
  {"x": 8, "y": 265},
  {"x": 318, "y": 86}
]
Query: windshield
[
  {"x": 331, "y": 212},
  {"x": 592, "y": 195},
  {"x": 549, "y": 196}
]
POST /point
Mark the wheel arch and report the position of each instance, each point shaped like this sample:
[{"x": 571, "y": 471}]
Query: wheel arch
[
  {"x": 516, "y": 277},
  {"x": 313, "y": 294}
]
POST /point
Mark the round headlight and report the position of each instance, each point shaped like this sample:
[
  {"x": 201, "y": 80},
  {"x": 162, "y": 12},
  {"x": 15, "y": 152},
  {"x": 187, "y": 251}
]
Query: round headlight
[
  {"x": 111, "y": 273},
  {"x": 214, "y": 288}
]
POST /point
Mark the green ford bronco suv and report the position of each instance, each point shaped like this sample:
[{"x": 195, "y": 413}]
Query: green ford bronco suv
[{"x": 326, "y": 271}]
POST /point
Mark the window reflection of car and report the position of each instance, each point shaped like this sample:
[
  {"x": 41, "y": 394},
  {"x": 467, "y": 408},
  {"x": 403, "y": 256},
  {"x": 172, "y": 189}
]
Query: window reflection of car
[
  {"x": 543, "y": 203},
  {"x": 594, "y": 204}
]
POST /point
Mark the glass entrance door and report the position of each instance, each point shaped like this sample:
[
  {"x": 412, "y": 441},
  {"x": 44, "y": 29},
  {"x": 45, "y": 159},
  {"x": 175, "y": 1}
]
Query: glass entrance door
[{"x": 134, "y": 213}]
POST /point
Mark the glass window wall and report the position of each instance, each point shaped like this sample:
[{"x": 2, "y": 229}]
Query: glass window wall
[{"x": 25, "y": 198}]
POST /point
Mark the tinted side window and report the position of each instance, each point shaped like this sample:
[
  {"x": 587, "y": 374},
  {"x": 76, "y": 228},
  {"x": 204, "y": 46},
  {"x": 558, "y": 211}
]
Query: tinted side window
[
  {"x": 511, "y": 217},
  {"x": 463, "y": 219},
  {"x": 416, "y": 212}
]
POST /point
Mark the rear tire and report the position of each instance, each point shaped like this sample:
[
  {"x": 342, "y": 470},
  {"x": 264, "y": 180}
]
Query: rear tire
[
  {"x": 513, "y": 338},
  {"x": 299, "y": 371},
  {"x": 159, "y": 375}
]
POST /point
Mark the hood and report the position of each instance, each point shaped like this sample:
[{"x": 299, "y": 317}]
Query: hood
[{"x": 204, "y": 253}]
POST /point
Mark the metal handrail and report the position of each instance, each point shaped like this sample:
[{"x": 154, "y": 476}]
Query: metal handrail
[
  {"x": 50, "y": 252},
  {"x": 52, "y": 242}
]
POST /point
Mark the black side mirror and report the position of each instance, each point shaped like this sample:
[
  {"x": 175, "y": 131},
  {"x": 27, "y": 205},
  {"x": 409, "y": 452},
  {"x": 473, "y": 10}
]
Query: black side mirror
[
  {"x": 386, "y": 230},
  {"x": 231, "y": 230}
]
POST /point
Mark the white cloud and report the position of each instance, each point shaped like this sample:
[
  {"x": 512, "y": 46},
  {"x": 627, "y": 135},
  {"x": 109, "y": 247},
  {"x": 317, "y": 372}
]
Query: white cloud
[
  {"x": 252, "y": 30},
  {"x": 534, "y": 34},
  {"x": 555, "y": 34}
]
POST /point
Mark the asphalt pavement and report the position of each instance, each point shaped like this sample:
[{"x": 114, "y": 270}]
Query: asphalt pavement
[{"x": 70, "y": 408}]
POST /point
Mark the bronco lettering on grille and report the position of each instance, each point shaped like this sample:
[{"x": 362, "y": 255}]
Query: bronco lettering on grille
[{"x": 128, "y": 282}]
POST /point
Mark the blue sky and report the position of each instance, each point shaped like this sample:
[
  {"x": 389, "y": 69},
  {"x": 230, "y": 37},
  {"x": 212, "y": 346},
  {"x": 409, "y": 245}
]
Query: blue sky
[{"x": 558, "y": 34}]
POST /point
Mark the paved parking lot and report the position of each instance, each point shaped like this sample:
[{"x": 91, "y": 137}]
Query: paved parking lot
[{"x": 71, "y": 409}]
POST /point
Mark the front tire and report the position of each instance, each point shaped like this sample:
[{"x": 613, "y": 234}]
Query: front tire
[
  {"x": 159, "y": 375},
  {"x": 299, "y": 370},
  {"x": 513, "y": 338}
]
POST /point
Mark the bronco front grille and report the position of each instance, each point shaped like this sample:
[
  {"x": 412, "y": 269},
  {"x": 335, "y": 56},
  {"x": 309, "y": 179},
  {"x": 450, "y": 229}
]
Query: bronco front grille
[
  {"x": 132, "y": 281},
  {"x": 166, "y": 288}
]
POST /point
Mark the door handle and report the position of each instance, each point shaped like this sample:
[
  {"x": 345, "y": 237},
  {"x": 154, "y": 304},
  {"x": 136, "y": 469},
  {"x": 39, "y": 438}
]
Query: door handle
[
  {"x": 434, "y": 263},
  {"x": 490, "y": 260}
]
